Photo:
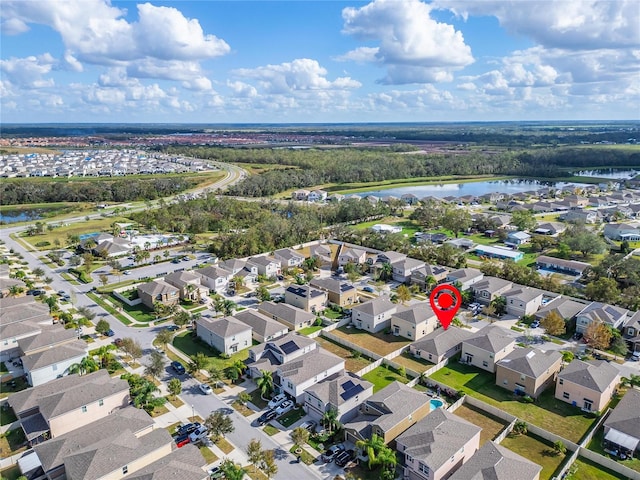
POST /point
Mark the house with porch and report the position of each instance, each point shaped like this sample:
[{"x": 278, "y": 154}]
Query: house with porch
[
  {"x": 158, "y": 291},
  {"x": 528, "y": 370},
  {"x": 343, "y": 393},
  {"x": 440, "y": 344},
  {"x": 414, "y": 322},
  {"x": 227, "y": 335},
  {"x": 622, "y": 426},
  {"x": 487, "y": 347},
  {"x": 587, "y": 385}
]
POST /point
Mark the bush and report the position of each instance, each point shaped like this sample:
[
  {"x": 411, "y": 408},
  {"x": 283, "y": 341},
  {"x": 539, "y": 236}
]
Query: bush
[
  {"x": 527, "y": 399},
  {"x": 43, "y": 243}
]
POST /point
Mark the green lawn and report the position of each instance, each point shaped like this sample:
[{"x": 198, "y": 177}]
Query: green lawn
[
  {"x": 305, "y": 456},
  {"x": 140, "y": 312},
  {"x": 537, "y": 450},
  {"x": 208, "y": 455},
  {"x": 270, "y": 429},
  {"x": 257, "y": 400},
  {"x": 11, "y": 473},
  {"x": 309, "y": 330},
  {"x": 548, "y": 413},
  {"x": 12, "y": 442},
  {"x": 491, "y": 426},
  {"x": 380, "y": 343},
  {"x": 292, "y": 417},
  {"x": 381, "y": 377},
  {"x": 187, "y": 344},
  {"x": 332, "y": 314},
  {"x": 584, "y": 469},
  {"x": 596, "y": 446},
  {"x": 109, "y": 308},
  {"x": 6, "y": 415},
  {"x": 409, "y": 361}
]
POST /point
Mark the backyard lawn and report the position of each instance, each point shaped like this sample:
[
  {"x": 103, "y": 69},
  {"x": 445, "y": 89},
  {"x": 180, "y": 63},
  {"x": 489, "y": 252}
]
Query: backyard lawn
[
  {"x": 11, "y": 473},
  {"x": 548, "y": 413},
  {"x": 491, "y": 426},
  {"x": 352, "y": 364},
  {"x": 310, "y": 330},
  {"x": 409, "y": 361},
  {"x": 140, "y": 312},
  {"x": 12, "y": 442},
  {"x": 381, "y": 377},
  {"x": 187, "y": 344},
  {"x": 587, "y": 470},
  {"x": 537, "y": 450},
  {"x": 380, "y": 343}
]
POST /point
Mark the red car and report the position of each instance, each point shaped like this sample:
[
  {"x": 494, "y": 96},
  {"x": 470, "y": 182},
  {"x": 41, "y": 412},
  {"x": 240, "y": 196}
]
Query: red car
[{"x": 182, "y": 440}]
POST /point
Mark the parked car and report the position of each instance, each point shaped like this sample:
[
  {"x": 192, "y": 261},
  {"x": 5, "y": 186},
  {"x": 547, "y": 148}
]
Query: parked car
[
  {"x": 309, "y": 425},
  {"x": 215, "y": 472},
  {"x": 187, "y": 428},
  {"x": 266, "y": 417},
  {"x": 332, "y": 452},
  {"x": 178, "y": 367},
  {"x": 635, "y": 357},
  {"x": 206, "y": 389},
  {"x": 110, "y": 333},
  {"x": 344, "y": 457},
  {"x": 535, "y": 324},
  {"x": 182, "y": 440},
  {"x": 285, "y": 407},
  {"x": 277, "y": 400},
  {"x": 198, "y": 434},
  {"x": 368, "y": 289},
  {"x": 173, "y": 328},
  {"x": 126, "y": 272}
]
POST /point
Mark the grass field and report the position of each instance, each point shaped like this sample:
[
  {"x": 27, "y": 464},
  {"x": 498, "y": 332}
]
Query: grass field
[
  {"x": 537, "y": 450},
  {"x": 352, "y": 364},
  {"x": 587, "y": 470},
  {"x": 380, "y": 343},
  {"x": 491, "y": 426},
  {"x": 409, "y": 361},
  {"x": 224, "y": 445},
  {"x": 382, "y": 376},
  {"x": 547, "y": 412},
  {"x": 310, "y": 330},
  {"x": 186, "y": 344},
  {"x": 140, "y": 312}
]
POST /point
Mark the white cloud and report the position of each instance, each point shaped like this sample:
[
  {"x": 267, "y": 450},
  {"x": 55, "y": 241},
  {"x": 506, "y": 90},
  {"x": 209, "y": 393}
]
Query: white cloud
[
  {"x": 414, "y": 47},
  {"x": 243, "y": 90},
  {"x": 28, "y": 72},
  {"x": 571, "y": 24},
  {"x": 13, "y": 26},
  {"x": 360, "y": 55}
]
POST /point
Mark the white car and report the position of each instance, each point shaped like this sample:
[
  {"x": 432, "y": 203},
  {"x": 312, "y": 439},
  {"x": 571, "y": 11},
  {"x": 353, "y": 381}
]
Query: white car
[
  {"x": 206, "y": 389},
  {"x": 285, "y": 407},
  {"x": 198, "y": 434},
  {"x": 277, "y": 400}
]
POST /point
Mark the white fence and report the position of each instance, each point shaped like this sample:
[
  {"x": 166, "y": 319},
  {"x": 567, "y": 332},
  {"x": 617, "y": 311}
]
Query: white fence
[{"x": 117, "y": 293}]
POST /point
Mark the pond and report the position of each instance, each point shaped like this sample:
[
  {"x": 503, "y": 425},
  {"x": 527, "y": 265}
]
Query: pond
[
  {"x": 470, "y": 188},
  {"x": 15, "y": 216},
  {"x": 613, "y": 173}
]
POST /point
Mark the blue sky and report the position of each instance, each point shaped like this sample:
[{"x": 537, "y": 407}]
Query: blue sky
[{"x": 319, "y": 61}]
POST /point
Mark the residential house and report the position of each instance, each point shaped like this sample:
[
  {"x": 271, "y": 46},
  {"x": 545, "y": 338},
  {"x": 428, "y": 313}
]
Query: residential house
[
  {"x": 7, "y": 283},
  {"x": 384, "y": 228},
  {"x": 600, "y": 312},
  {"x": 20, "y": 317},
  {"x": 420, "y": 275},
  {"x": 409, "y": 199},
  {"x": 301, "y": 194},
  {"x": 515, "y": 239},
  {"x": 62, "y": 405},
  {"x": 570, "y": 267},
  {"x": 241, "y": 269},
  {"x": 622, "y": 426},
  {"x": 387, "y": 413},
  {"x": 414, "y": 322},
  {"x": 390, "y": 257},
  {"x": 266, "y": 265},
  {"x": 490, "y": 288},
  {"x": 292, "y": 317},
  {"x": 189, "y": 285},
  {"x": 440, "y": 344},
  {"x": 278, "y": 351},
  {"x": 431, "y": 237},
  {"x": 580, "y": 216},
  {"x": 288, "y": 257},
  {"x": 227, "y": 334},
  {"x": 501, "y": 253},
  {"x": 523, "y": 300},
  {"x": 403, "y": 269},
  {"x": 631, "y": 332},
  {"x": 599, "y": 202},
  {"x": 263, "y": 328},
  {"x": 335, "y": 197},
  {"x": 351, "y": 255},
  {"x": 465, "y": 277},
  {"x": 587, "y": 385},
  {"x": 158, "y": 291},
  {"x": 373, "y": 315},
  {"x": 486, "y": 347},
  {"x": 322, "y": 253},
  {"x": 565, "y": 307},
  {"x": 343, "y": 294},
  {"x": 550, "y": 228},
  {"x": 495, "y": 462},
  {"x": 343, "y": 393},
  {"x": 114, "y": 247},
  {"x": 317, "y": 196},
  {"x": 216, "y": 279},
  {"x": 186, "y": 463},
  {"x": 461, "y": 243},
  {"x": 437, "y": 445},
  {"x": 306, "y": 298},
  {"x": 622, "y": 231},
  {"x": 528, "y": 371}
]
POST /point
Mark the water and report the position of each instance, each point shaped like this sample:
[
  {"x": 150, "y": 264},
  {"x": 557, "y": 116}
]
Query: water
[
  {"x": 16, "y": 216},
  {"x": 435, "y": 403},
  {"x": 470, "y": 188},
  {"x": 609, "y": 173}
]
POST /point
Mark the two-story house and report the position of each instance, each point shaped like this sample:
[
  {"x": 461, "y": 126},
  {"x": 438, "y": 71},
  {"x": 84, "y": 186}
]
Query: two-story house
[
  {"x": 242, "y": 269},
  {"x": 216, "y": 279},
  {"x": 465, "y": 277},
  {"x": 62, "y": 405},
  {"x": 489, "y": 288},
  {"x": 622, "y": 426},
  {"x": 488, "y": 346},
  {"x": 289, "y": 258},
  {"x": 226, "y": 334},
  {"x": 343, "y": 294},
  {"x": 587, "y": 385},
  {"x": 496, "y": 462},
  {"x": 437, "y": 445},
  {"x": 158, "y": 291},
  {"x": 306, "y": 298},
  {"x": 403, "y": 269},
  {"x": 528, "y": 371},
  {"x": 293, "y": 318},
  {"x": 266, "y": 265},
  {"x": 351, "y": 255},
  {"x": 421, "y": 275},
  {"x": 440, "y": 344},
  {"x": 631, "y": 332},
  {"x": 522, "y": 301},
  {"x": 374, "y": 315},
  {"x": 342, "y": 393},
  {"x": 414, "y": 322},
  {"x": 20, "y": 317},
  {"x": 600, "y": 312},
  {"x": 323, "y": 253},
  {"x": 263, "y": 328},
  {"x": 189, "y": 285}
]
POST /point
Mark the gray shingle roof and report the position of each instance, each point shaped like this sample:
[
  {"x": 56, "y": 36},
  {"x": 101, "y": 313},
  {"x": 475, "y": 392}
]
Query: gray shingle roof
[
  {"x": 377, "y": 306},
  {"x": 50, "y": 335},
  {"x": 157, "y": 287},
  {"x": 416, "y": 314},
  {"x": 440, "y": 341},
  {"x": 213, "y": 272},
  {"x": 261, "y": 324},
  {"x": 286, "y": 313},
  {"x": 21, "y": 309},
  {"x": 299, "y": 341},
  {"x": 594, "y": 374},
  {"x": 330, "y": 391},
  {"x": 564, "y": 307},
  {"x": 626, "y": 416},
  {"x": 180, "y": 279},
  {"x": 531, "y": 362},
  {"x": 437, "y": 437},
  {"x": 309, "y": 365},
  {"x": 223, "y": 327},
  {"x": 491, "y": 339},
  {"x": 304, "y": 291},
  {"x": 464, "y": 274},
  {"x": 332, "y": 285},
  {"x": 491, "y": 284},
  {"x": 494, "y": 462},
  {"x": 185, "y": 463},
  {"x": 525, "y": 294},
  {"x": 396, "y": 401},
  {"x": 57, "y": 354},
  {"x": 603, "y": 312}
]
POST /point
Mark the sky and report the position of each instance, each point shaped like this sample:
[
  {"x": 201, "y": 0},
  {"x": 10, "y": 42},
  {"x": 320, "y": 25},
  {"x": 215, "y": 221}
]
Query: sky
[{"x": 96, "y": 61}]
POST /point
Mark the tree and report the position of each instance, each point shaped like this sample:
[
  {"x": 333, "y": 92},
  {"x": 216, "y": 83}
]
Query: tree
[
  {"x": 102, "y": 326},
  {"x": 597, "y": 335},
  {"x": 215, "y": 376},
  {"x": 244, "y": 397},
  {"x": 159, "y": 309},
  {"x": 330, "y": 419},
  {"x": 554, "y": 324},
  {"x": 386, "y": 272},
  {"x": 132, "y": 348},
  {"x": 235, "y": 370},
  {"x": 86, "y": 312},
  {"x": 500, "y": 304},
  {"x": 429, "y": 283},
  {"x": 388, "y": 459},
  {"x": 105, "y": 355},
  {"x": 300, "y": 436},
  {"x": 457, "y": 220},
  {"x": 219, "y": 424},
  {"x": 371, "y": 446},
  {"x": 231, "y": 470},
  {"x": 38, "y": 272},
  {"x": 86, "y": 365},
  {"x": 403, "y": 294},
  {"x": 175, "y": 387},
  {"x": 269, "y": 465},
  {"x": 156, "y": 365},
  {"x": 559, "y": 448},
  {"x": 523, "y": 219},
  {"x": 255, "y": 454},
  {"x": 265, "y": 383},
  {"x": 164, "y": 337},
  {"x": 263, "y": 293},
  {"x": 15, "y": 290},
  {"x": 603, "y": 290},
  {"x": 580, "y": 239},
  {"x": 520, "y": 428},
  {"x": 567, "y": 356},
  {"x": 104, "y": 279},
  {"x": 619, "y": 347},
  {"x": 199, "y": 360},
  {"x": 143, "y": 392},
  {"x": 181, "y": 318}
]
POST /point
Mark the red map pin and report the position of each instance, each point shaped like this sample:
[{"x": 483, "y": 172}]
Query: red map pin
[{"x": 445, "y": 301}]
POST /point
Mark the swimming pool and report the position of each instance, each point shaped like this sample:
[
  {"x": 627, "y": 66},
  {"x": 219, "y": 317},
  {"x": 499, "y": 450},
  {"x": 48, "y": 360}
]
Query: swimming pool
[{"x": 435, "y": 403}]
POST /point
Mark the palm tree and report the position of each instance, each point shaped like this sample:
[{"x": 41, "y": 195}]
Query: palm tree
[
  {"x": 429, "y": 283},
  {"x": 386, "y": 271},
  {"x": 105, "y": 355},
  {"x": 372, "y": 446},
  {"x": 235, "y": 370},
  {"x": 215, "y": 376},
  {"x": 15, "y": 290},
  {"x": 232, "y": 471},
  {"x": 330, "y": 419},
  {"x": 265, "y": 383},
  {"x": 86, "y": 365},
  {"x": 387, "y": 458}
]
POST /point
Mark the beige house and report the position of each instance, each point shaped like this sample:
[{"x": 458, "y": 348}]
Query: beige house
[
  {"x": 387, "y": 413},
  {"x": 226, "y": 334},
  {"x": 68, "y": 403},
  {"x": 495, "y": 462},
  {"x": 306, "y": 298},
  {"x": 343, "y": 393},
  {"x": 489, "y": 288},
  {"x": 587, "y": 385},
  {"x": 488, "y": 346},
  {"x": 20, "y": 318},
  {"x": 263, "y": 328},
  {"x": 522, "y": 301},
  {"x": 292, "y": 317},
  {"x": 528, "y": 370},
  {"x": 419, "y": 276},
  {"x": 351, "y": 255},
  {"x": 190, "y": 285},
  {"x": 414, "y": 322},
  {"x": 374, "y": 315},
  {"x": 437, "y": 445},
  {"x": 340, "y": 293},
  {"x": 465, "y": 277},
  {"x": 158, "y": 291},
  {"x": 440, "y": 344}
]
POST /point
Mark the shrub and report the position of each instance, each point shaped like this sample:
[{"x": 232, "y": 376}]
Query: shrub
[
  {"x": 527, "y": 399},
  {"x": 43, "y": 243}
]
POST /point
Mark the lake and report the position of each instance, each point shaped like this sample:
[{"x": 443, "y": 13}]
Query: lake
[
  {"x": 609, "y": 173},
  {"x": 15, "y": 216},
  {"x": 470, "y": 188}
]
